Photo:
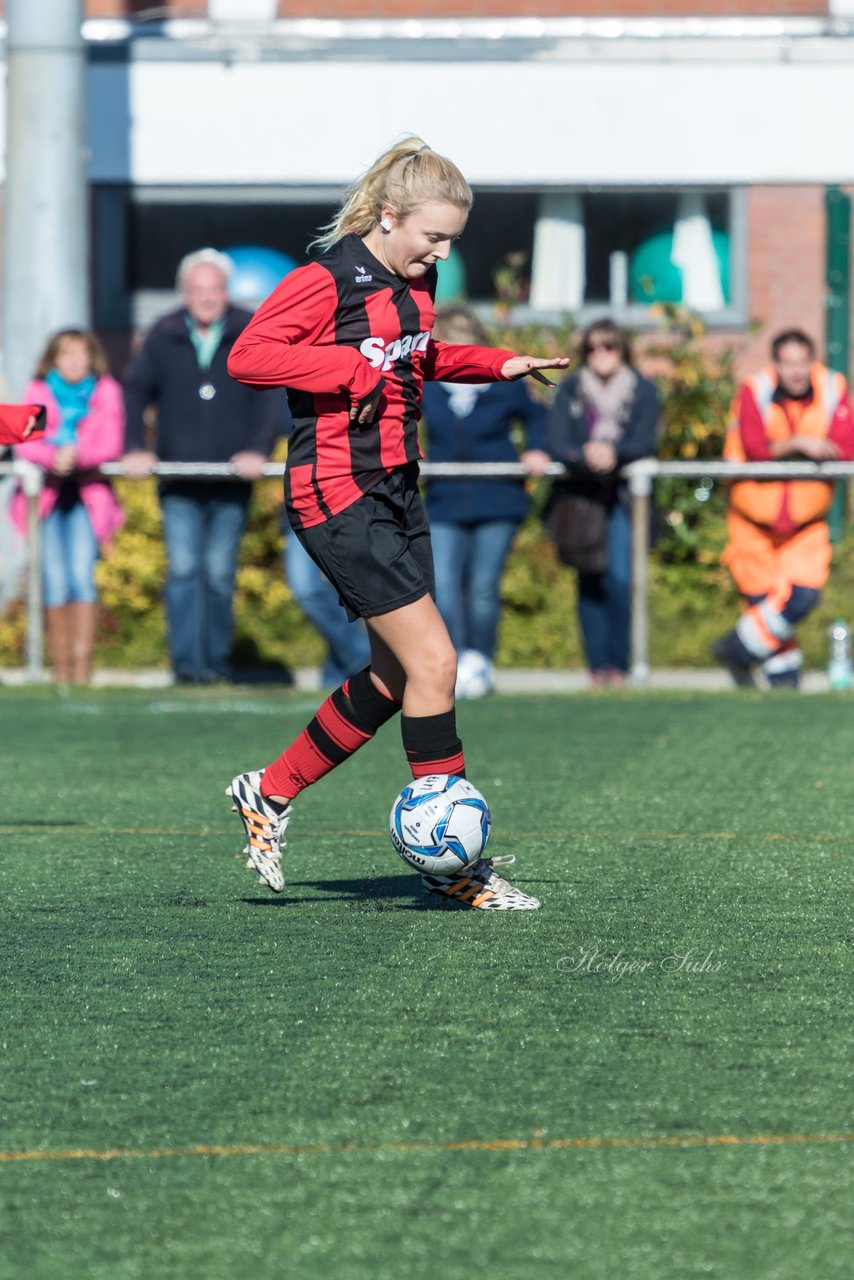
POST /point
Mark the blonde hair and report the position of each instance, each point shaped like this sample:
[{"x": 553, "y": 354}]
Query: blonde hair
[
  {"x": 409, "y": 174},
  {"x": 98, "y": 363}
]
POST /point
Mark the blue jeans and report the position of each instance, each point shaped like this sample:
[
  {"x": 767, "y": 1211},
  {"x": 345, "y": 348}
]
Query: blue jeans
[
  {"x": 469, "y": 561},
  {"x": 202, "y": 534},
  {"x": 69, "y": 553},
  {"x": 348, "y": 650},
  {"x": 604, "y": 599}
]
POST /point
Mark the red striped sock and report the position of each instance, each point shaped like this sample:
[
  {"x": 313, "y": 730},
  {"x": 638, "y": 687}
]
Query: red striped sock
[
  {"x": 345, "y": 722},
  {"x": 431, "y": 744}
]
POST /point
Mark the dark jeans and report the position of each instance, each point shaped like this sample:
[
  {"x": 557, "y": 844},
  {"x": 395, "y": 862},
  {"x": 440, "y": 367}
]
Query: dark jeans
[
  {"x": 202, "y": 531},
  {"x": 604, "y": 599}
]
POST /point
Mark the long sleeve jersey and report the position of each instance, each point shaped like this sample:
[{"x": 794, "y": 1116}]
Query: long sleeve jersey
[
  {"x": 332, "y": 333},
  {"x": 13, "y": 421}
]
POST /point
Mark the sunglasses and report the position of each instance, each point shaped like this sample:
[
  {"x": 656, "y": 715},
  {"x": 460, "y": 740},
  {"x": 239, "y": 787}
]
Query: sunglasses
[{"x": 606, "y": 344}]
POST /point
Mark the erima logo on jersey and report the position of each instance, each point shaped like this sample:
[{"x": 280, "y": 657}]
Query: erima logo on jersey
[
  {"x": 382, "y": 355},
  {"x": 362, "y": 276}
]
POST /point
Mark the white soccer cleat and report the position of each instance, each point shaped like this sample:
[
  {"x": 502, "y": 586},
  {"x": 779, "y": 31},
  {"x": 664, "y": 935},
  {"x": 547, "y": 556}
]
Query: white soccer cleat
[
  {"x": 265, "y": 824},
  {"x": 482, "y": 888}
]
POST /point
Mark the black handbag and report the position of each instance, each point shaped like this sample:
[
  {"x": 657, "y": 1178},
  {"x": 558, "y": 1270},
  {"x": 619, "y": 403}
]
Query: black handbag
[{"x": 578, "y": 526}]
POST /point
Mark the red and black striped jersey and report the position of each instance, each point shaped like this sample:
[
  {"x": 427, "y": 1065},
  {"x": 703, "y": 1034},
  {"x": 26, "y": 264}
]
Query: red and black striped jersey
[
  {"x": 331, "y": 333},
  {"x": 14, "y": 419}
]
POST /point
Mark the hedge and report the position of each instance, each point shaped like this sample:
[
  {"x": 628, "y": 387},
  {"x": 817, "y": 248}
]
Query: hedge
[{"x": 691, "y": 597}]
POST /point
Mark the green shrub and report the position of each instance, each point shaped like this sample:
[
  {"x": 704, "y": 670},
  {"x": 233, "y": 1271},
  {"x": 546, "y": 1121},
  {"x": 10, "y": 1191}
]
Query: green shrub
[{"x": 696, "y": 389}]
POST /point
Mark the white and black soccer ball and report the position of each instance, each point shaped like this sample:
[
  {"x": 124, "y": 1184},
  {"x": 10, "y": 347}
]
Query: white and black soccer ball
[
  {"x": 440, "y": 824},
  {"x": 474, "y": 674}
]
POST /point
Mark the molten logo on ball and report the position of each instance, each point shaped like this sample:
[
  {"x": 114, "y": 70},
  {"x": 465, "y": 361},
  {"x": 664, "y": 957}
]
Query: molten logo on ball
[{"x": 440, "y": 824}]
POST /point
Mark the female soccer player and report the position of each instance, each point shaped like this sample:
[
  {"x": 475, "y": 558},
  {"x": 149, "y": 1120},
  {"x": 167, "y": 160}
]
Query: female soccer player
[{"x": 348, "y": 335}]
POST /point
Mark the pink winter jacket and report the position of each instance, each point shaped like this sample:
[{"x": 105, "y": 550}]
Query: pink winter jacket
[{"x": 100, "y": 438}]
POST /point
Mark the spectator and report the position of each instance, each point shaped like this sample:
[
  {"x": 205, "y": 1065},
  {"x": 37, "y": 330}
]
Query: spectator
[
  {"x": 347, "y": 648},
  {"x": 473, "y": 522},
  {"x": 202, "y": 416},
  {"x": 79, "y": 511},
  {"x": 779, "y": 543},
  {"x": 605, "y": 414},
  {"x": 17, "y": 423}
]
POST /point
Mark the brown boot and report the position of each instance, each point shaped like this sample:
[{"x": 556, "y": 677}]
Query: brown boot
[
  {"x": 58, "y": 641},
  {"x": 82, "y": 632}
]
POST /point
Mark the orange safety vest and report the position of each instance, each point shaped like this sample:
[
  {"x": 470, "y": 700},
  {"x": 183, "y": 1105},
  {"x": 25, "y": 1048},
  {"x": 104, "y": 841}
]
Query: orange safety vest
[{"x": 762, "y": 500}]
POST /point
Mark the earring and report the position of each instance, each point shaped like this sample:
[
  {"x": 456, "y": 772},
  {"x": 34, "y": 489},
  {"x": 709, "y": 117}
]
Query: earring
[{"x": 385, "y": 224}]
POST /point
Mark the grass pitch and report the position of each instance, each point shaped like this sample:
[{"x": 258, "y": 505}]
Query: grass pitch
[{"x": 648, "y": 1079}]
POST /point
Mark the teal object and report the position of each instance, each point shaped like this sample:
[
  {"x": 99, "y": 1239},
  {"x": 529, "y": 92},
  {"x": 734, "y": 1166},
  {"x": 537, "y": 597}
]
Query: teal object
[
  {"x": 654, "y": 278},
  {"x": 257, "y": 271},
  {"x": 451, "y": 285}
]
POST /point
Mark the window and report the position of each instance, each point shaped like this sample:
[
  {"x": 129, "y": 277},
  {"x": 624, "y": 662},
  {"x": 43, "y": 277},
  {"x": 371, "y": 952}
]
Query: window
[
  {"x": 657, "y": 247},
  {"x": 625, "y": 250},
  {"x": 141, "y": 236},
  {"x": 582, "y": 252},
  {"x": 564, "y": 252}
]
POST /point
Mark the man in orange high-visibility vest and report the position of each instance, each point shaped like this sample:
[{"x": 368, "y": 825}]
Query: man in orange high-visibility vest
[{"x": 779, "y": 543}]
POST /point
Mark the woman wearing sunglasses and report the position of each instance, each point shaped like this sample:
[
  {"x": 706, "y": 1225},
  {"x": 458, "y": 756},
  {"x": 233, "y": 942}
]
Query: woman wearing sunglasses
[{"x": 605, "y": 414}]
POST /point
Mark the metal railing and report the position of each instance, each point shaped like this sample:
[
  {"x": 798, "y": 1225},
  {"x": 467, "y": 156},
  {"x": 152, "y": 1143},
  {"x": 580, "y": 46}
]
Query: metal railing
[{"x": 641, "y": 477}]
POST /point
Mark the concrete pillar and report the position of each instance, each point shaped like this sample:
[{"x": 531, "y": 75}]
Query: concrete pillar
[{"x": 45, "y": 266}]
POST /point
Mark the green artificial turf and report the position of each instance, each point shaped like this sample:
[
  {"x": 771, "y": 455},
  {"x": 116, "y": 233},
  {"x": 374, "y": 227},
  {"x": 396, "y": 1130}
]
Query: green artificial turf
[{"x": 648, "y": 1079}]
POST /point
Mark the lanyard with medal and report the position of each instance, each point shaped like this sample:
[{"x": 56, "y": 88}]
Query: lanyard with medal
[{"x": 205, "y": 346}]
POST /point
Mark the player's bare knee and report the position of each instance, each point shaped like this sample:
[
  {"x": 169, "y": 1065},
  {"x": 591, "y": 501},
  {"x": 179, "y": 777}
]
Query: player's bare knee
[
  {"x": 445, "y": 661},
  {"x": 437, "y": 669}
]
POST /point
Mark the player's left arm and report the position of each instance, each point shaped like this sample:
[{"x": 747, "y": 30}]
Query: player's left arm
[{"x": 452, "y": 362}]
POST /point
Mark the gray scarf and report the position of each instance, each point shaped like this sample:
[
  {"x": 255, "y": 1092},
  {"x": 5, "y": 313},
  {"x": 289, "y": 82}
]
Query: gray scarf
[{"x": 608, "y": 402}]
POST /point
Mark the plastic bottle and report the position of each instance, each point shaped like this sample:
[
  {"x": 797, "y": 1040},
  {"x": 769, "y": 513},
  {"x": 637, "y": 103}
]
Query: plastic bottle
[{"x": 839, "y": 671}]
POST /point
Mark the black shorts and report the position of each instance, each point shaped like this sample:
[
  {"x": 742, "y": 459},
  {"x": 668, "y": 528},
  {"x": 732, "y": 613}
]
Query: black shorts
[{"x": 377, "y": 552}]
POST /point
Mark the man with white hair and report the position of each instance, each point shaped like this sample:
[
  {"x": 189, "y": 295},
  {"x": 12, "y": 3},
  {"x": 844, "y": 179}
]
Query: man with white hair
[{"x": 202, "y": 415}]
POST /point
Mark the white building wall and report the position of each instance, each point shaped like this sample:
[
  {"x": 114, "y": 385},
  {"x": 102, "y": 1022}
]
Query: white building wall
[{"x": 526, "y": 123}]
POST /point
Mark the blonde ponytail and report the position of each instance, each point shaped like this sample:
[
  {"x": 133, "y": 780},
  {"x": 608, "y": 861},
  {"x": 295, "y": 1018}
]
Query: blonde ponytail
[{"x": 409, "y": 174}]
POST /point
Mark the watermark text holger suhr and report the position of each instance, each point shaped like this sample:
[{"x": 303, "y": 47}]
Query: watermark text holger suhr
[{"x": 617, "y": 965}]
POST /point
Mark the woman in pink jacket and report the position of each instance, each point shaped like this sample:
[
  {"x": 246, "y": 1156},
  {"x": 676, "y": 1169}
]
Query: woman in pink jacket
[{"x": 77, "y": 506}]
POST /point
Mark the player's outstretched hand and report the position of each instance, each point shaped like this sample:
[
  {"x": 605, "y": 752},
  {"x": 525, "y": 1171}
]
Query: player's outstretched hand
[{"x": 523, "y": 366}]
